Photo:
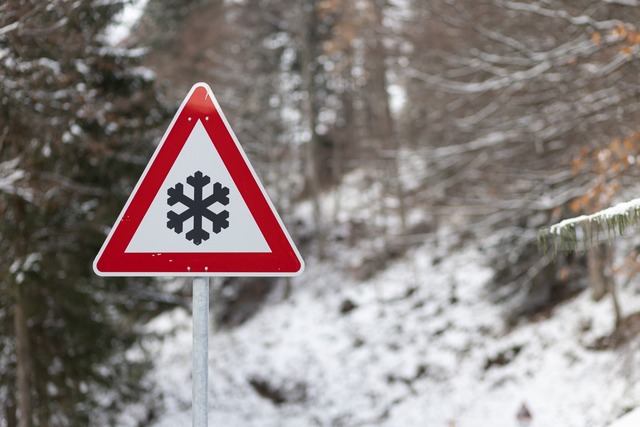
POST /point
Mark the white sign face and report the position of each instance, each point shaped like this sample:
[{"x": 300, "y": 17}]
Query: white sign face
[{"x": 239, "y": 233}]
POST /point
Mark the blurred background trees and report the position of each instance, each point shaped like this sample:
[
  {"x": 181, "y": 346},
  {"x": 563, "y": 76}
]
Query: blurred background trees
[
  {"x": 486, "y": 119},
  {"x": 494, "y": 100},
  {"x": 76, "y": 123},
  {"x": 526, "y": 86}
]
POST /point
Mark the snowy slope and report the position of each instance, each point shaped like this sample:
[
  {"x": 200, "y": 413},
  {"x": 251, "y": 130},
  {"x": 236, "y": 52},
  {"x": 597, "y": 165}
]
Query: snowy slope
[
  {"x": 422, "y": 347},
  {"x": 419, "y": 344},
  {"x": 632, "y": 419}
]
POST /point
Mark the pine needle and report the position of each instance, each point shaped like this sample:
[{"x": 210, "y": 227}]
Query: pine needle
[{"x": 615, "y": 220}]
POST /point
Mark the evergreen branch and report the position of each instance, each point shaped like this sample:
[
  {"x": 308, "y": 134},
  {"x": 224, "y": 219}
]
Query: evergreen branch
[{"x": 566, "y": 235}]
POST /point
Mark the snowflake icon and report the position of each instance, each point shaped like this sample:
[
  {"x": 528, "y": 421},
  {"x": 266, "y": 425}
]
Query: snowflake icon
[{"x": 198, "y": 208}]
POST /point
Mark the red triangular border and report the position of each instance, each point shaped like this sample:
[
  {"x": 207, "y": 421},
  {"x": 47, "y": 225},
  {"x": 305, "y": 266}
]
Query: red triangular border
[{"x": 284, "y": 258}]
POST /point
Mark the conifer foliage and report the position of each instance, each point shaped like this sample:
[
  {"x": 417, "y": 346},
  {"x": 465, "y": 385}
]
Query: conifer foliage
[{"x": 73, "y": 114}]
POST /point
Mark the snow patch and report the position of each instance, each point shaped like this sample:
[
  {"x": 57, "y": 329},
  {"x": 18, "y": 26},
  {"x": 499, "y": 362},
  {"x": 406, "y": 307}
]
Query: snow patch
[
  {"x": 632, "y": 419},
  {"x": 128, "y": 18}
]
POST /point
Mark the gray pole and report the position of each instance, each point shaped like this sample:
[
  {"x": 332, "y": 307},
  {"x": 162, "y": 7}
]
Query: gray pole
[{"x": 200, "y": 350}]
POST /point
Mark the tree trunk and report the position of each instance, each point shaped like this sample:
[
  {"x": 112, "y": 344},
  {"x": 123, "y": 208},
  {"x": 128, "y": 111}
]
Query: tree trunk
[
  {"x": 599, "y": 280},
  {"x": 10, "y": 413},
  {"x": 616, "y": 304},
  {"x": 389, "y": 144},
  {"x": 309, "y": 47},
  {"x": 23, "y": 361},
  {"x": 21, "y": 330}
]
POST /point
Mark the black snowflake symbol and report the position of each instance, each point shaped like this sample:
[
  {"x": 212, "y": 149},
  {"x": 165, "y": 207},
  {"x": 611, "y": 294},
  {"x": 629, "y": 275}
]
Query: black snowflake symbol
[{"x": 198, "y": 208}]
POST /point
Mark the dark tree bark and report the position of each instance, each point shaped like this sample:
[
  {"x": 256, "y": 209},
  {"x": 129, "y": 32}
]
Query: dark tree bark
[{"x": 23, "y": 361}]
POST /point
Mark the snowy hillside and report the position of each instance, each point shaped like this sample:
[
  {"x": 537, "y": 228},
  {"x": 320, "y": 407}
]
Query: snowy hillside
[
  {"x": 629, "y": 420},
  {"x": 418, "y": 345}
]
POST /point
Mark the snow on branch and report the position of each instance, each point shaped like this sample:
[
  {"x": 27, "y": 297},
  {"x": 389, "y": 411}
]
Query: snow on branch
[
  {"x": 10, "y": 177},
  {"x": 614, "y": 221},
  {"x": 578, "y": 20},
  {"x": 493, "y": 83},
  {"x": 10, "y": 27},
  {"x": 631, "y": 3}
]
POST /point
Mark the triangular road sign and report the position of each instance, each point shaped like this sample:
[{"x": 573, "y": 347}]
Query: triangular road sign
[{"x": 198, "y": 208}]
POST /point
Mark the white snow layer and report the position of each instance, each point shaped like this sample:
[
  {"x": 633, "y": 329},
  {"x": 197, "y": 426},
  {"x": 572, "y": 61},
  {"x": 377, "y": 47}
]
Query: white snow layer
[
  {"x": 621, "y": 209},
  {"x": 632, "y": 419},
  {"x": 422, "y": 347}
]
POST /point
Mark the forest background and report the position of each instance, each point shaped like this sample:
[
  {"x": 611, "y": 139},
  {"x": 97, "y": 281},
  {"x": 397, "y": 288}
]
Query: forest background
[{"x": 484, "y": 121}]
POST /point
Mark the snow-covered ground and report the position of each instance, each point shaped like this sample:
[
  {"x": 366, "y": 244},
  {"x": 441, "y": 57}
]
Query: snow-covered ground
[
  {"x": 421, "y": 346},
  {"x": 632, "y": 419}
]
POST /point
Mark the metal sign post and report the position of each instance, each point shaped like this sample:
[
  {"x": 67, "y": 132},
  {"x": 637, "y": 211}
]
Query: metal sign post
[{"x": 200, "y": 351}]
